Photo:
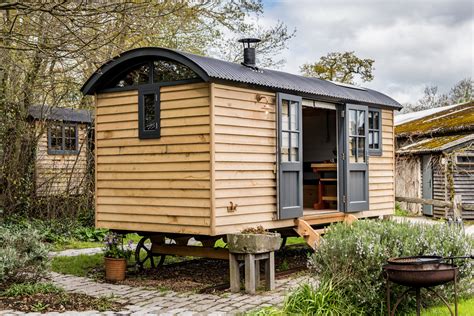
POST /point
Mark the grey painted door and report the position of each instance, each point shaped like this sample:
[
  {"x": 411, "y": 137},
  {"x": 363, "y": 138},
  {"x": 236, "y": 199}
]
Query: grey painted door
[
  {"x": 427, "y": 184},
  {"x": 290, "y": 156},
  {"x": 356, "y": 165}
]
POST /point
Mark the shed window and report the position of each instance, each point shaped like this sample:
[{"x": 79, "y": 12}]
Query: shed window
[
  {"x": 149, "y": 112},
  {"x": 62, "y": 139},
  {"x": 465, "y": 159},
  {"x": 375, "y": 132},
  {"x": 157, "y": 71}
]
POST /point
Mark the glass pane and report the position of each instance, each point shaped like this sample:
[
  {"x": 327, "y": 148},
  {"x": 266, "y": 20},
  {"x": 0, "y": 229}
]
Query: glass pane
[
  {"x": 352, "y": 149},
  {"x": 285, "y": 123},
  {"x": 294, "y": 147},
  {"x": 371, "y": 139},
  {"x": 376, "y": 119},
  {"x": 294, "y": 116},
  {"x": 149, "y": 112},
  {"x": 167, "y": 70},
  {"x": 376, "y": 140},
  {"x": 138, "y": 75},
  {"x": 352, "y": 122},
  {"x": 285, "y": 144},
  {"x": 361, "y": 123},
  {"x": 70, "y": 144},
  {"x": 56, "y": 135},
  {"x": 361, "y": 149},
  {"x": 70, "y": 131}
]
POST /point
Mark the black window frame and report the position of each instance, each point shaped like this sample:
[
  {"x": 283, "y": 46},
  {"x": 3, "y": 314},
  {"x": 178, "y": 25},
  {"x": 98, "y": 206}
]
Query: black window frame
[
  {"x": 63, "y": 151},
  {"x": 142, "y": 91},
  {"x": 375, "y": 151}
]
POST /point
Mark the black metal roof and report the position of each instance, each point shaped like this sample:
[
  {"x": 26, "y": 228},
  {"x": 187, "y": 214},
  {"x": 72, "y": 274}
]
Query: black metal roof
[
  {"x": 39, "y": 112},
  {"x": 211, "y": 70}
]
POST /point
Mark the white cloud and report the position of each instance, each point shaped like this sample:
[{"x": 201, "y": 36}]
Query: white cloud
[{"x": 414, "y": 43}]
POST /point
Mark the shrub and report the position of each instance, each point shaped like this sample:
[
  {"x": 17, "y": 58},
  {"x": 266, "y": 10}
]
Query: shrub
[
  {"x": 90, "y": 234},
  {"x": 22, "y": 289},
  {"x": 352, "y": 256},
  {"x": 23, "y": 257}
]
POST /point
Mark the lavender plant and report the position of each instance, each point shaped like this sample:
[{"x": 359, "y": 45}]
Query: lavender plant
[{"x": 114, "y": 248}]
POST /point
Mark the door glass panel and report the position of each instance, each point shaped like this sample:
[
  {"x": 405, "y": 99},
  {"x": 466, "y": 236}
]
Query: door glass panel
[
  {"x": 376, "y": 140},
  {"x": 285, "y": 145},
  {"x": 294, "y": 147},
  {"x": 352, "y": 122},
  {"x": 371, "y": 139},
  {"x": 361, "y": 123},
  {"x": 149, "y": 112},
  {"x": 371, "y": 121},
  {"x": 285, "y": 123},
  {"x": 294, "y": 116},
  {"x": 375, "y": 119},
  {"x": 352, "y": 149},
  {"x": 361, "y": 149}
]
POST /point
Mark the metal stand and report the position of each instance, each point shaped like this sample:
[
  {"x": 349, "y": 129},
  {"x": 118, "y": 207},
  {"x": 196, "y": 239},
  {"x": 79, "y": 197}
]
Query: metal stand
[
  {"x": 252, "y": 271},
  {"x": 417, "y": 290}
]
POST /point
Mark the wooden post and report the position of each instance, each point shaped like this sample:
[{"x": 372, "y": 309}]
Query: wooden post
[
  {"x": 234, "y": 273},
  {"x": 250, "y": 273},
  {"x": 270, "y": 271},
  {"x": 457, "y": 207}
]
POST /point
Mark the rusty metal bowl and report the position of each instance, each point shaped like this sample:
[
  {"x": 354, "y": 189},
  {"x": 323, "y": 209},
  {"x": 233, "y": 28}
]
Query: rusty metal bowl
[{"x": 421, "y": 275}]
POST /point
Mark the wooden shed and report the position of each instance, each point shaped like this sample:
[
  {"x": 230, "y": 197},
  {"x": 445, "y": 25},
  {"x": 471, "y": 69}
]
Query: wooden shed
[
  {"x": 61, "y": 157},
  {"x": 435, "y": 158},
  {"x": 188, "y": 144}
]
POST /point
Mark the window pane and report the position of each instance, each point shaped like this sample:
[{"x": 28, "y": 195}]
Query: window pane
[
  {"x": 294, "y": 147},
  {"x": 70, "y": 142},
  {"x": 166, "y": 71},
  {"x": 361, "y": 123},
  {"x": 285, "y": 123},
  {"x": 376, "y": 140},
  {"x": 361, "y": 149},
  {"x": 352, "y": 122},
  {"x": 294, "y": 116},
  {"x": 371, "y": 139},
  {"x": 56, "y": 136},
  {"x": 150, "y": 123},
  {"x": 285, "y": 144},
  {"x": 138, "y": 75},
  {"x": 376, "y": 120},
  {"x": 371, "y": 119},
  {"x": 352, "y": 149}
]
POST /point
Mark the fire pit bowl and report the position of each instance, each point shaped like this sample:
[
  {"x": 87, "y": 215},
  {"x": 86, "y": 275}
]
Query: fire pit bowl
[{"x": 421, "y": 275}]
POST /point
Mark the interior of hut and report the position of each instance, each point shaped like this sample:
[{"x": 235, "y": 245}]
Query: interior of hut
[{"x": 319, "y": 159}]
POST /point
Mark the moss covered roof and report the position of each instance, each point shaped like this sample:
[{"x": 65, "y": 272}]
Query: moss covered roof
[
  {"x": 458, "y": 118},
  {"x": 436, "y": 144}
]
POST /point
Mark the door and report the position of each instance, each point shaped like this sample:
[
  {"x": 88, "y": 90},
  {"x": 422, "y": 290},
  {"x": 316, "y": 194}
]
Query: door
[
  {"x": 354, "y": 147},
  {"x": 290, "y": 156},
  {"x": 427, "y": 183}
]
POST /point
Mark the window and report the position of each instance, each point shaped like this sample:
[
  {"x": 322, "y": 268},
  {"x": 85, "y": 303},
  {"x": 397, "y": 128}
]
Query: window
[
  {"x": 375, "y": 132},
  {"x": 290, "y": 131},
  {"x": 149, "y": 112},
  {"x": 157, "y": 71},
  {"x": 465, "y": 159},
  {"x": 357, "y": 121},
  {"x": 62, "y": 139}
]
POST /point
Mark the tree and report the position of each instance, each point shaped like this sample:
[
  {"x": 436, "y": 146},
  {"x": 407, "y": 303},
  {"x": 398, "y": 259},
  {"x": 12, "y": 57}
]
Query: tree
[
  {"x": 462, "y": 91},
  {"x": 341, "y": 67},
  {"x": 49, "y": 48}
]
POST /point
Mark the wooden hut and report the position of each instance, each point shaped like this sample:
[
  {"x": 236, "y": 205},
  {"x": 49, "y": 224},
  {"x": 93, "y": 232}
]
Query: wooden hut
[
  {"x": 188, "y": 144},
  {"x": 61, "y": 157},
  {"x": 435, "y": 158}
]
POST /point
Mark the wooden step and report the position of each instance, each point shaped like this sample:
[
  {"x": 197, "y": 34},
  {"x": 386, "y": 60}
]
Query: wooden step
[{"x": 311, "y": 236}]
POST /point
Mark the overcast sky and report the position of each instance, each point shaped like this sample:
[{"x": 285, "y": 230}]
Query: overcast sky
[{"x": 415, "y": 43}]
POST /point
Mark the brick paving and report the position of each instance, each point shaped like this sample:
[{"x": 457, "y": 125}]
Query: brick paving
[{"x": 142, "y": 301}]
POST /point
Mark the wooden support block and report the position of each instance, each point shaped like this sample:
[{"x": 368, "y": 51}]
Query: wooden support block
[
  {"x": 257, "y": 273},
  {"x": 349, "y": 219},
  {"x": 234, "y": 273},
  {"x": 270, "y": 272},
  {"x": 250, "y": 273}
]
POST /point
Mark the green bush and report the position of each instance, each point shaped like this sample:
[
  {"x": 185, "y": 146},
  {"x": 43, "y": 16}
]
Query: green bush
[
  {"x": 22, "y": 289},
  {"x": 90, "y": 234},
  {"x": 23, "y": 257},
  {"x": 352, "y": 257}
]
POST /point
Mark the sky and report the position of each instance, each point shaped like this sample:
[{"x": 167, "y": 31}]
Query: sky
[{"x": 415, "y": 43}]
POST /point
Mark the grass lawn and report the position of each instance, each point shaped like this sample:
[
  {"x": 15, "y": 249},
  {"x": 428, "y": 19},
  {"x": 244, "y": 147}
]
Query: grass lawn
[{"x": 465, "y": 308}]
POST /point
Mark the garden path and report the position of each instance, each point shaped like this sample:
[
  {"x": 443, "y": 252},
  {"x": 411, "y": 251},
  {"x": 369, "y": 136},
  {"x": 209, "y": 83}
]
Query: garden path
[{"x": 142, "y": 301}]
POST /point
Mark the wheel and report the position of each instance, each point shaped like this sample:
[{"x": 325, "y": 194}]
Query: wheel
[
  {"x": 145, "y": 245},
  {"x": 283, "y": 242}
]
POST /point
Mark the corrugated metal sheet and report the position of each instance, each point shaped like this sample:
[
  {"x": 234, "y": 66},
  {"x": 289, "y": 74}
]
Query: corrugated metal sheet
[
  {"x": 212, "y": 69},
  {"x": 60, "y": 114}
]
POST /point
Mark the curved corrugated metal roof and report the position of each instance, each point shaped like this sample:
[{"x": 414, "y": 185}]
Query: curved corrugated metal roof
[{"x": 211, "y": 69}]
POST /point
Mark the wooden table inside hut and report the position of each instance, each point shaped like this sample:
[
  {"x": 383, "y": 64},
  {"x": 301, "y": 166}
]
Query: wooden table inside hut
[{"x": 325, "y": 171}]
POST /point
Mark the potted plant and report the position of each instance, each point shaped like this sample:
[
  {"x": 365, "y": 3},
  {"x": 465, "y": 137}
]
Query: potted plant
[
  {"x": 116, "y": 256},
  {"x": 253, "y": 240}
]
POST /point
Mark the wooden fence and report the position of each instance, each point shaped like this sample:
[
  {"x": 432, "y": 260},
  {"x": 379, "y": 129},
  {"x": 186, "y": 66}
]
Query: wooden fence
[{"x": 456, "y": 205}]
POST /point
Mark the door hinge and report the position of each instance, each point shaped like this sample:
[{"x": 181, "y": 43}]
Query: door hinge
[
  {"x": 342, "y": 113},
  {"x": 343, "y": 156},
  {"x": 344, "y": 199}
]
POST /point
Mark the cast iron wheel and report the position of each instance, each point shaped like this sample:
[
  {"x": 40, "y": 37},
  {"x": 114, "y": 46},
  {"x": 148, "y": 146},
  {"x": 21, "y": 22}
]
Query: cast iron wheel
[
  {"x": 145, "y": 244},
  {"x": 283, "y": 242}
]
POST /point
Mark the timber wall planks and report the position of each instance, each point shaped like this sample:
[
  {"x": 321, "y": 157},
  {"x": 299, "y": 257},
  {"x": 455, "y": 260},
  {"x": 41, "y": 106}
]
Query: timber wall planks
[
  {"x": 59, "y": 174},
  {"x": 381, "y": 172},
  {"x": 245, "y": 158},
  {"x": 154, "y": 185}
]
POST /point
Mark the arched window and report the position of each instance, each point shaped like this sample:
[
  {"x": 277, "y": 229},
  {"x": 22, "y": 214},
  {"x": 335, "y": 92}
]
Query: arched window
[{"x": 157, "y": 71}]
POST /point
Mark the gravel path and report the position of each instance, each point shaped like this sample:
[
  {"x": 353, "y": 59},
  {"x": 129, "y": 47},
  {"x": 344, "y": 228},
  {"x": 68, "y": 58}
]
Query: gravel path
[{"x": 143, "y": 301}]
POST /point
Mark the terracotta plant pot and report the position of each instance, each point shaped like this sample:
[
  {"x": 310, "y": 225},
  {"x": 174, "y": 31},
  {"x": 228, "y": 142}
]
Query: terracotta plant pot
[{"x": 115, "y": 269}]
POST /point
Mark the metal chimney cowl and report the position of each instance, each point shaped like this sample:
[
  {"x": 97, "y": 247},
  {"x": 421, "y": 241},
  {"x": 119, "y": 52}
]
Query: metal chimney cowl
[{"x": 249, "y": 52}]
